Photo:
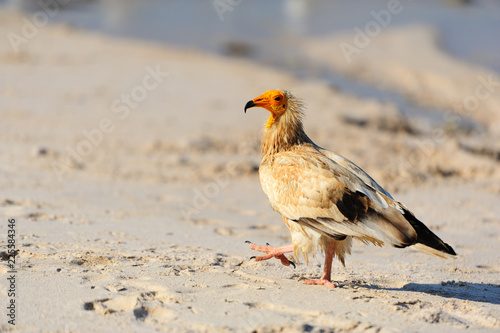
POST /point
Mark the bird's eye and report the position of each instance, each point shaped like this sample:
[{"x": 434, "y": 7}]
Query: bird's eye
[{"x": 278, "y": 98}]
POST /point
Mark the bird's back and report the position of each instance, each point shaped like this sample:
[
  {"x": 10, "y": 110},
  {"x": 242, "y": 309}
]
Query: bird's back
[{"x": 329, "y": 194}]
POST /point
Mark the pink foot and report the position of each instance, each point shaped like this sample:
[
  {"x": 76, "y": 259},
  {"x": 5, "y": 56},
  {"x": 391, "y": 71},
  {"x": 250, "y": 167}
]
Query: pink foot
[
  {"x": 273, "y": 252},
  {"x": 321, "y": 281}
]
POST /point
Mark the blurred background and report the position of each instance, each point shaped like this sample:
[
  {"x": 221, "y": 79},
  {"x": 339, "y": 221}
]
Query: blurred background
[
  {"x": 419, "y": 76},
  {"x": 423, "y": 73},
  {"x": 269, "y": 30},
  {"x": 274, "y": 33}
]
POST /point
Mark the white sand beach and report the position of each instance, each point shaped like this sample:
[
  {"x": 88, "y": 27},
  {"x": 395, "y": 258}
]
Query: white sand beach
[{"x": 131, "y": 172}]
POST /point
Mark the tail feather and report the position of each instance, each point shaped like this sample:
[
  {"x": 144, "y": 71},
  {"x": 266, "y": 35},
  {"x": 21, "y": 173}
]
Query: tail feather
[
  {"x": 427, "y": 241},
  {"x": 429, "y": 250}
]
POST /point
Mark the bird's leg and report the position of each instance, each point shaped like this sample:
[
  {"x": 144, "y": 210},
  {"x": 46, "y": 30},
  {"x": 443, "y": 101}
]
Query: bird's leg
[
  {"x": 276, "y": 252},
  {"x": 325, "y": 278}
]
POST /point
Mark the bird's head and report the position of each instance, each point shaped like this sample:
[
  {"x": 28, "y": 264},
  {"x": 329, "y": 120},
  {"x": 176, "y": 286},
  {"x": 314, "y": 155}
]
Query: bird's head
[
  {"x": 284, "y": 126},
  {"x": 274, "y": 101}
]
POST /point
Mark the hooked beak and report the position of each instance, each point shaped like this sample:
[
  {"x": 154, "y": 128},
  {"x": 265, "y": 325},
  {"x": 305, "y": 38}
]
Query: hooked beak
[
  {"x": 261, "y": 101},
  {"x": 249, "y": 105}
]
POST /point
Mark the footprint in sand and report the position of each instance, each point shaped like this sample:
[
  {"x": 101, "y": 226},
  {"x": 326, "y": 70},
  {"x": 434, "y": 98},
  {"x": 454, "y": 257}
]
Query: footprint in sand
[{"x": 144, "y": 306}]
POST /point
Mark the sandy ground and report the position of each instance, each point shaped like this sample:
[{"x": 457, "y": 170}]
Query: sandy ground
[{"x": 131, "y": 172}]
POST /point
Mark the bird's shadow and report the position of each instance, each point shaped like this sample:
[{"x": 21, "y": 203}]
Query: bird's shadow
[{"x": 470, "y": 291}]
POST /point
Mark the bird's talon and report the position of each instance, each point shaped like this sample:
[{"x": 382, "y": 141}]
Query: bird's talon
[
  {"x": 292, "y": 263},
  {"x": 248, "y": 242},
  {"x": 321, "y": 281},
  {"x": 252, "y": 257}
]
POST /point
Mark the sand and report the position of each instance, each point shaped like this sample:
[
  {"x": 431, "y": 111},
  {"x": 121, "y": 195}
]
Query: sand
[{"x": 131, "y": 172}]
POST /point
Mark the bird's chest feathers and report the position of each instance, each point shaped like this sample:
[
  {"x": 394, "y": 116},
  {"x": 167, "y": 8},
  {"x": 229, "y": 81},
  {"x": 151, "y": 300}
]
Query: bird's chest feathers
[{"x": 278, "y": 182}]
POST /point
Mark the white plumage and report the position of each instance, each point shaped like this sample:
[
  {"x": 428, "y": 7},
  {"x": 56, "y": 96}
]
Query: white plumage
[{"x": 325, "y": 199}]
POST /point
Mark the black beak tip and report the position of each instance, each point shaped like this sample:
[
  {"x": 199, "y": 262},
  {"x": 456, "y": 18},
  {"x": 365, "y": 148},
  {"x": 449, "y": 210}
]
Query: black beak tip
[{"x": 249, "y": 105}]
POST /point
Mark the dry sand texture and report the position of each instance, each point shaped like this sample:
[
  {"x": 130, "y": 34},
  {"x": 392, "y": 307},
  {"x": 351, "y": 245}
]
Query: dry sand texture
[{"x": 131, "y": 212}]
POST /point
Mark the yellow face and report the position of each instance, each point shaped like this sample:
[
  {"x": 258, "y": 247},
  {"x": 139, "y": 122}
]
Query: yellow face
[{"x": 273, "y": 101}]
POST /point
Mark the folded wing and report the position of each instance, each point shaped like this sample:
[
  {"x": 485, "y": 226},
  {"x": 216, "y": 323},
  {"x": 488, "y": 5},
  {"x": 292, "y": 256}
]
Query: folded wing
[{"x": 333, "y": 196}]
